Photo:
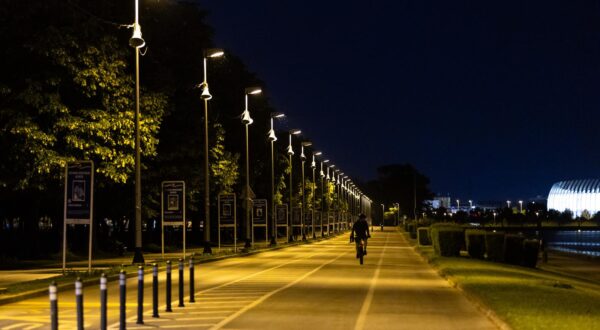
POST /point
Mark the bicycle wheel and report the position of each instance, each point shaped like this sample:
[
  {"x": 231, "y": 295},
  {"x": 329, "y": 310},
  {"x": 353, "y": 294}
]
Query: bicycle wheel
[{"x": 361, "y": 253}]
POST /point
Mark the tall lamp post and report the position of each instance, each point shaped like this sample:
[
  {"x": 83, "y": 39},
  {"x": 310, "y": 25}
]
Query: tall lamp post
[
  {"x": 247, "y": 121},
  {"x": 520, "y": 206},
  {"x": 208, "y": 53},
  {"x": 136, "y": 41},
  {"x": 290, "y": 152},
  {"x": 272, "y": 138},
  {"x": 313, "y": 166},
  {"x": 303, "y": 158},
  {"x": 322, "y": 174}
]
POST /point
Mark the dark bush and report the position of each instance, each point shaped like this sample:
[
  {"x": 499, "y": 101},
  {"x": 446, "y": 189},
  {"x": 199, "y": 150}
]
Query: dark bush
[
  {"x": 475, "y": 240},
  {"x": 447, "y": 239},
  {"x": 531, "y": 249},
  {"x": 423, "y": 236},
  {"x": 513, "y": 249},
  {"x": 412, "y": 230},
  {"x": 494, "y": 245}
]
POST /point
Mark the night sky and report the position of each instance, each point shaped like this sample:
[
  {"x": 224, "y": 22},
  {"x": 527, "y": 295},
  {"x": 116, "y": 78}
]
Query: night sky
[{"x": 490, "y": 100}]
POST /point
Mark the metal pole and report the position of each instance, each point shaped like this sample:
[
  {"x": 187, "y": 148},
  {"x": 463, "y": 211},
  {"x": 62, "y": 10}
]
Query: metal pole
[
  {"x": 168, "y": 288},
  {"x": 140, "y": 300},
  {"x": 103, "y": 301},
  {"x": 155, "y": 290},
  {"x": 314, "y": 183},
  {"x": 138, "y": 257},
  {"x": 122, "y": 301},
  {"x": 303, "y": 202},
  {"x": 249, "y": 228},
  {"x": 192, "y": 290},
  {"x": 273, "y": 215},
  {"x": 291, "y": 238},
  {"x": 79, "y": 303},
  {"x": 322, "y": 200},
  {"x": 181, "y": 283},
  {"x": 52, "y": 290},
  {"x": 207, "y": 248}
]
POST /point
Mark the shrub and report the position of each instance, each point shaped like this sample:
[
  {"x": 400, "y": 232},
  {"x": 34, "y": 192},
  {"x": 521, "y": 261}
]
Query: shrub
[
  {"x": 412, "y": 229},
  {"x": 513, "y": 249},
  {"x": 447, "y": 239},
  {"x": 494, "y": 245},
  {"x": 475, "y": 240},
  {"x": 531, "y": 249},
  {"x": 423, "y": 236}
]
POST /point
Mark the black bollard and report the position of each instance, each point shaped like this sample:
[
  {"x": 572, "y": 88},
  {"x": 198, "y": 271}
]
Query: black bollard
[
  {"x": 79, "y": 303},
  {"x": 122, "y": 297},
  {"x": 192, "y": 299},
  {"x": 155, "y": 290},
  {"x": 140, "y": 306},
  {"x": 53, "y": 306},
  {"x": 181, "y": 283},
  {"x": 103, "y": 300},
  {"x": 168, "y": 295}
]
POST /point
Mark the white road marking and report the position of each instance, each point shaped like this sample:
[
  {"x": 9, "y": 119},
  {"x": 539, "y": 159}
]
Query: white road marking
[{"x": 362, "y": 316}]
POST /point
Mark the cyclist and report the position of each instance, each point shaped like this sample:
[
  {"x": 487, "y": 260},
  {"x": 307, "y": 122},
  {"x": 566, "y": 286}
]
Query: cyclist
[{"x": 360, "y": 231}]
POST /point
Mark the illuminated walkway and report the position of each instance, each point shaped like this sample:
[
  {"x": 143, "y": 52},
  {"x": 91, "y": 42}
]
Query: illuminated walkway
[{"x": 315, "y": 286}]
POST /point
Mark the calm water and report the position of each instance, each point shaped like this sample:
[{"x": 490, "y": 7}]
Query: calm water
[{"x": 573, "y": 241}]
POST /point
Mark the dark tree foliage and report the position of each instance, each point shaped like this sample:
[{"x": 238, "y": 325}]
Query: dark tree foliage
[{"x": 400, "y": 183}]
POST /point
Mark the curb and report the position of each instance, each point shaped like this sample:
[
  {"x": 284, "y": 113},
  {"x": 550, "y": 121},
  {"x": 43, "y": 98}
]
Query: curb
[{"x": 147, "y": 270}]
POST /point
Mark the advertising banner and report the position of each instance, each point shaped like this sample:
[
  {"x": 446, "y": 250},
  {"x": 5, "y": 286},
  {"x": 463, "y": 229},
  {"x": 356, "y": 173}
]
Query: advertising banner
[
  {"x": 281, "y": 212},
  {"x": 79, "y": 192},
  {"x": 308, "y": 218},
  {"x": 296, "y": 216},
  {"x": 173, "y": 203},
  {"x": 227, "y": 210},
  {"x": 259, "y": 212}
]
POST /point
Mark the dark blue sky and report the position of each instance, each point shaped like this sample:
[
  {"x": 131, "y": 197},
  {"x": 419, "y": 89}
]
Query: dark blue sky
[{"x": 491, "y": 100}]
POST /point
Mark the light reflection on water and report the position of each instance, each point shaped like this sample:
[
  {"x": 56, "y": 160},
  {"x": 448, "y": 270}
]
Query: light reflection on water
[{"x": 573, "y": 241}]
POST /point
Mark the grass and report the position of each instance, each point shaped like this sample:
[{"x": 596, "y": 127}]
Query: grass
[{"x": 524, "y": 298}]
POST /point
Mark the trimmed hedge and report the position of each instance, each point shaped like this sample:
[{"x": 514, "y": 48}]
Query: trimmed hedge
[
  {"x": 475, "y": 240},
  {"x": 447, "y": 239},
  {"x": 513, "y": 249},
  {"x": 531, "y": 249},
  {"x": 423, "y": 236},
  {"x": 494, "y": 245}
]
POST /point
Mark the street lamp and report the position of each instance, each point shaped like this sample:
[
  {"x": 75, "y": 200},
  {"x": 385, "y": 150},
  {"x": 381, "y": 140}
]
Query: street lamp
[
  {"x": 208, "y": 53},
  {"x": 470, "y": 204},
  {"x": 508, "y": 204},
  {"x": 290, "y": 152},
  {"x": 457, "y": 205},
  {"x": 313, "y": 166},
  {"x": 136, "y": 41},
  {"x": 520, "y": 206},
  {"x": 247, "y": 121},
  {"x": 272, "y": 138},
  {"x": 303, "y": 158}
]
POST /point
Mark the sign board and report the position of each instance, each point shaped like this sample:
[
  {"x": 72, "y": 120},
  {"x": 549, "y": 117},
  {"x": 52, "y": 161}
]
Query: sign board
[
  {"x": 227, "y": 216},
  {"x": 79, "y": 202},
  {"x": 227, "y": 209},
  {"x": 172, "y": 209},
  {"x": 308, "y": 218},
  {"x": 281, "y": 211},
  {"x": 79, "y": 192},
  {"x": 296, "y": 216},
  {"x": 173, "y": 203},
  {"x": 259, "y": 212}
]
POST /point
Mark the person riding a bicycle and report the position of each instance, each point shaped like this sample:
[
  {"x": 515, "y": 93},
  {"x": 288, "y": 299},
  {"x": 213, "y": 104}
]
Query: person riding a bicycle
[{"x": 360, "y": 232}]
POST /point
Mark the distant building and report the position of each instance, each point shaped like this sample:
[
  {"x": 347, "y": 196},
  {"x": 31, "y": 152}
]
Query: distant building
[
  {"x": 582, "y": 197},
  {"x": 438, "y": 202}
]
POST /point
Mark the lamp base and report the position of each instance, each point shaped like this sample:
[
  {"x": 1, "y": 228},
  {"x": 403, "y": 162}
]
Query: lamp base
[
  {"x": 207, "y": 248},
  {"x": 138, "y": 256}
]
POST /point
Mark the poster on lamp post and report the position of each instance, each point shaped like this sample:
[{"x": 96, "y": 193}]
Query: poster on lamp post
[
  {"x": 172, "y": 209},
  {"x": 79, "y": 202},
  {"x": 227, "y": 216}
]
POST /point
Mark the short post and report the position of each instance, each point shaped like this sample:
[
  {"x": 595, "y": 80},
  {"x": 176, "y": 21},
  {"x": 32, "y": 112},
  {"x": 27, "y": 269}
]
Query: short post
[
  {"x": 53, "y": 306},
  {"x": 181, "y": 283},
  {"x": 192, "y": 299},
  {"x": 140, "y": 300},
  {"x": 79, "y": 302},
  {"x": 168, "y": 294},
  {"x": 155, "y": 290},
  {"x": 122, "y": 298},
  {"x": 103, "y": 301}
]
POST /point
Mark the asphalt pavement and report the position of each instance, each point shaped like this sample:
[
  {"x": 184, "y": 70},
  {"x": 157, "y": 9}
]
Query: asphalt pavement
[{"x": 312, "y": 286}]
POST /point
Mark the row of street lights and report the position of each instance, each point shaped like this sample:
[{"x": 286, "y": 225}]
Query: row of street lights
[{"x": 343, "y": 185}]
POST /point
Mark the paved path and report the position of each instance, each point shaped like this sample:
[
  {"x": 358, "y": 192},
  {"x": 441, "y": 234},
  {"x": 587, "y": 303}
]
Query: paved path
[{"x": 314, "y": 286}]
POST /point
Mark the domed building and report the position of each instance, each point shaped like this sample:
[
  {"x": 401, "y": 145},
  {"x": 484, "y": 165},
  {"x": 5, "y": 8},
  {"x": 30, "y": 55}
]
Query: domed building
[{"x": 579, "y": 196}]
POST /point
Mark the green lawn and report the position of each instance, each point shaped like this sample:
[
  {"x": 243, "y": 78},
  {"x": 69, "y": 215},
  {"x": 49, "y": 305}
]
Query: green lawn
[{"x": 525, "y": 298}]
